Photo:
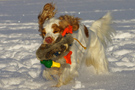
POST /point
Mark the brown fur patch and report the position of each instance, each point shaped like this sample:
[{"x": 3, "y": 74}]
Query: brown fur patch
[
  {"x": 63, "y": 24},
  {"x": 69, "y": 20},
  {"x": 86, "y": 31},
  {"x": 43, "y": 33},
  {"x": 56, "y": 28}
]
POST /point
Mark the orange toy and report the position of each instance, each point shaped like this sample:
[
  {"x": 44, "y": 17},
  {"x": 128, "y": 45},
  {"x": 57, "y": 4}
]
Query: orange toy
[
  {"x": 68, "y": 57},
  {"x": 67, "y": 30}
]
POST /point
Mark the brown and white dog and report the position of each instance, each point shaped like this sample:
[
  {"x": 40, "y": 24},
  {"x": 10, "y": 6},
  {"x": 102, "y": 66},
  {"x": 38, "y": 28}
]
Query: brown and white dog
[{"x": 95, "y": 39}]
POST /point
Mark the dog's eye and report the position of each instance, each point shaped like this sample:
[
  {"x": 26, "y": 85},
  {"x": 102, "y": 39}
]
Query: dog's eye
[
  {"x": 43, "y": 33},
  {"x": 56, "y": 31}
]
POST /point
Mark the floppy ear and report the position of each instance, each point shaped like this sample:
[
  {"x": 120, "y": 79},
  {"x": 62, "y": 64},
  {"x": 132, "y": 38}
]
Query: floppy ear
[
  {"x": 63, "y": 24},
  {"x": 75, "y": 27},
  {"x": 67, "y": 20},
  {"x": 47, "y": 13}
]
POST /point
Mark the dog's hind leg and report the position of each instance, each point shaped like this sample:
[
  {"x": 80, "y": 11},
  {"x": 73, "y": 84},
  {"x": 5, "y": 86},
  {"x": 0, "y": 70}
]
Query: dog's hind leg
[
  {"x": 96, "y": 55},
  {"x": 100, "y": 35}
]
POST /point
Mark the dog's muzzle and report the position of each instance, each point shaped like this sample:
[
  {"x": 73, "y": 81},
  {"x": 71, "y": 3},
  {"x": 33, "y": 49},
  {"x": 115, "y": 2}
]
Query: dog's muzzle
[{"x": 48, "y": 40}]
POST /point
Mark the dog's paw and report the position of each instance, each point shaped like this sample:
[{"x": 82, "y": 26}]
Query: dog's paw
[{"x": 57, "y": 85}]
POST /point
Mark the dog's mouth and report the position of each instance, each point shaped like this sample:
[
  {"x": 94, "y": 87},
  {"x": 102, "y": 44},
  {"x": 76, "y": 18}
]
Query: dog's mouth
[{"x": 48, "y": 40}]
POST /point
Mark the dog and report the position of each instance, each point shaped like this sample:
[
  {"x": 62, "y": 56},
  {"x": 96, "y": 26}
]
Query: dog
[{"x": 91, "y": 52}]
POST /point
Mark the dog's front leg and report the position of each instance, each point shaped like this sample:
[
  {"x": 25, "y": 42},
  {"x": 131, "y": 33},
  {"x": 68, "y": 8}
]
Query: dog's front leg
[
  {"x": 60, "y": 82},
  {"x": 65, "y": 77},
  {"x": 71, "y": 71},
  {"x": 46, "y": 74}
]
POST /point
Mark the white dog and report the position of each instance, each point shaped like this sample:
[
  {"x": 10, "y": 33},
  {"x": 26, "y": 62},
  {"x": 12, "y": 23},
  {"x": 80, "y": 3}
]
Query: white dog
[{"x": 94, "y": 39}]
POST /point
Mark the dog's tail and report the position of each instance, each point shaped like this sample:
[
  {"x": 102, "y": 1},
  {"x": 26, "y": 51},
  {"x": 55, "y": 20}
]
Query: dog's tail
[
  {"x": 101, "y": 33},
  {"x": 103, "y": 29}
]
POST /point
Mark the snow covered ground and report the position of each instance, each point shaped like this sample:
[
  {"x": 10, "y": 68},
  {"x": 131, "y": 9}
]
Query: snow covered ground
[{"x": 19, "y": 39}]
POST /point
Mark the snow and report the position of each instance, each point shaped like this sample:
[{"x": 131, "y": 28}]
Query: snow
[{"x": 19, "y": 39}]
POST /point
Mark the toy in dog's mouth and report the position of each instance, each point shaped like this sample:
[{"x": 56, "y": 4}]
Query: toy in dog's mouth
[
  {"x": 55, "y": 50},
  {"x": 48, "y": 54}
]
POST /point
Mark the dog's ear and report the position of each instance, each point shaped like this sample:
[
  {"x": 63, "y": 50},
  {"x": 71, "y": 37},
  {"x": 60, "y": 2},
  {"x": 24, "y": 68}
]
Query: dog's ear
[
  {"x": 75, "y": 27},
  {"x": 67, "y": 20},
  {"x": 63, "y": 24},
  {"x": 47, "y": 13}
]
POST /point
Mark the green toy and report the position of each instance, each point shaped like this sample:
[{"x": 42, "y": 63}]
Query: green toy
[{"x": 50, "y": 63}]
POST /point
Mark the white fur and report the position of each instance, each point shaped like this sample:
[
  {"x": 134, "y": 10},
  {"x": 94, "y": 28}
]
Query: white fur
[
  {"x": 99, "y": 35},
  {"x": 49, "y": 30}
]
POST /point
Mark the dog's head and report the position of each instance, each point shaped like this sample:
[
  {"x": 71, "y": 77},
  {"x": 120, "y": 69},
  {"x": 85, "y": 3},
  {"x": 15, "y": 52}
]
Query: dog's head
[
  {"x": 51, "y": 27},
  {"x": 51, "y": 31}
]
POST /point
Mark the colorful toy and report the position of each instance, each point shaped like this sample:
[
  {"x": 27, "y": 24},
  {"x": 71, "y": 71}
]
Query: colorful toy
[
  {"x": 67, "y": 30},
  {"x": 56, "y": 50},
  {"x": 50, "y": 63},
  {"x": 68, "y": 57}
]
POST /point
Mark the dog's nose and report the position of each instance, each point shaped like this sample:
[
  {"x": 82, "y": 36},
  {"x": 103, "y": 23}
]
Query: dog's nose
[{"x": 48, "y": 40}]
